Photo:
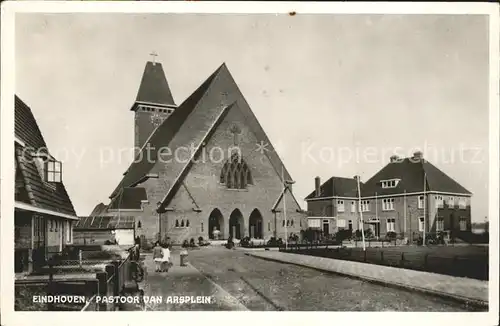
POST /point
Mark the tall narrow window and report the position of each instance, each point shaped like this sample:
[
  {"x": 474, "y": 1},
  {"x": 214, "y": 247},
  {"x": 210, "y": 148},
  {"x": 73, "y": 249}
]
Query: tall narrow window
[
  {"x": 53, "y": 171},
  {"x": 139, "y": 224},
  {"x": 340, "y": 206},
  {"x": 421, "y": 224},
  {"x": 353, "y": 207},
  {"x": 391, "y": 225},
  {"x": 463, "y": 223},
  {"x": 187, "y": 223},
  {"x": 182, "y": 223},
  {"x": 420, "y": 201},
  {"x": 235, "y": 173},
  {"x": 440, "y": 224},
  {"x": 202, "y": 227},
  {"x": 176, "y": 223},
  {"x": 388, "y": 204}
]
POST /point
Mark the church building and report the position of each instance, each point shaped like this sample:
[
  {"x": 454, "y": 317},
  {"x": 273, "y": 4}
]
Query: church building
[{"x": 202, "y": 166}]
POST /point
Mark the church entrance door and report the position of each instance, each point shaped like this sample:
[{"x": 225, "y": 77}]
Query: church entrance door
[
  {"x": 236, "y": 224},
  {"x": 255, "y": 224},
  {"x": 215, "y": 225}
]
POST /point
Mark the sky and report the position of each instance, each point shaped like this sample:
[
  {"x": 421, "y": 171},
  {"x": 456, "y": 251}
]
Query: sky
[{"x": 336, "y": 94}]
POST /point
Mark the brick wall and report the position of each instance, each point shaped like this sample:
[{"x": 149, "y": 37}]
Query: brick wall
[
  {"x": 143, "y": 126},
  {"x": 202, "y": 184}
]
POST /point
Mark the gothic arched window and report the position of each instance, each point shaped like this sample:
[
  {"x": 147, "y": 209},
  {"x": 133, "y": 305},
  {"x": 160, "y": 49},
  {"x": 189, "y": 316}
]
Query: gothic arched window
[
  {"x": 187, "y": 223},
  {"x": 176, "y": 223},
  {"x": 182, "y": 223},
  {"x": 139, "y": 225},
  {"x": 235, "y": 173}
]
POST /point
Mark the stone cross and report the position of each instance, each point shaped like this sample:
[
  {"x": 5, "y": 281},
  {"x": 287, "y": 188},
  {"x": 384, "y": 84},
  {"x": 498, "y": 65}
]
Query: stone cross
[{"x": 154, "y": 55}]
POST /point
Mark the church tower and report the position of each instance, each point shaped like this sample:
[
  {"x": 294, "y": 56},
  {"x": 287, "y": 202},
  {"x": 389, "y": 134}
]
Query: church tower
[{"x": 154, "y": 103}]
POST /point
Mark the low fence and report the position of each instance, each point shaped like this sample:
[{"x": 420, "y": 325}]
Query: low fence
[
  {"x": 83, "y": 279},
  {"x": 455, "y": 261}
]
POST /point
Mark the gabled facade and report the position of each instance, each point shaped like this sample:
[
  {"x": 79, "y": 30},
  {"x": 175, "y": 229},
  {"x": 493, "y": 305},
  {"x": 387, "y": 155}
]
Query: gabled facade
[
  {"x": 395, "y": 200},
  {"x": 44, "y": 215},
  {"x": 205, "y": 170}
]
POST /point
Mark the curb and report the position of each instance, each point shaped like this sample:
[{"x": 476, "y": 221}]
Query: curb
[{"x": 468, "y": 302}]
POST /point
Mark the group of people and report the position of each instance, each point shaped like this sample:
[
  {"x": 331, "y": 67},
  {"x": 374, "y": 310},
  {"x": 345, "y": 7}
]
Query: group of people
[{"x": 161, "y": 257}]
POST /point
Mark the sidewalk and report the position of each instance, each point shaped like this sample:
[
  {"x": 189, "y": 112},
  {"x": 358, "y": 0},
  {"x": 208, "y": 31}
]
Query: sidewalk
[
  {"x": 465, "y": 290},
  {"x": 181, "y": 281}
]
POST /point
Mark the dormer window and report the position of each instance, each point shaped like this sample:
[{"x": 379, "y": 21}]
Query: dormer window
[
  {"x": 53, "y": 171},
  {"x": 390, "y": 183}
]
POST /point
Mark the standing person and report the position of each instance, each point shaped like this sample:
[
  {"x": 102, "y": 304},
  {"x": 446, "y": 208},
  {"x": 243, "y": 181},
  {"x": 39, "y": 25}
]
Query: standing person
[
  {"x": 157, "y": 256},
  {"x": 165, "y": 263}
]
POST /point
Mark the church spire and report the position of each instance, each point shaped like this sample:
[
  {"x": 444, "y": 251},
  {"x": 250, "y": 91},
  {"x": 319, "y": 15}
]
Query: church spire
[{"x": 154, "y": 89}]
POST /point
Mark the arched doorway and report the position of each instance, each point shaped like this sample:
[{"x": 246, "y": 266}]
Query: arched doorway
[
  {"x": 255, "y": 225},
  {"x": 236, "y": 225},
  {"x": 215, "y": 222}
]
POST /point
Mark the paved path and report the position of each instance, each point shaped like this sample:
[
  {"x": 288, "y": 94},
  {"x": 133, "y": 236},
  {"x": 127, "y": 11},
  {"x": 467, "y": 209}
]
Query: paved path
[
  {"x": 268, "y": 285},
  {"x": 184, "y": 281},
  {"x": 463, "y": 289}
]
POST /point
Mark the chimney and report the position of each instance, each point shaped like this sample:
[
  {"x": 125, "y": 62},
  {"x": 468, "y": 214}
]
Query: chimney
[
  {"x": 418, "y": 155},
  {"x": 317, "y": 185},
  {"x": 394, "y": 158}
]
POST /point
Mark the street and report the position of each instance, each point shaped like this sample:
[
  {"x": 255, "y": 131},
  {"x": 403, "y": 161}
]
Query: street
[{"x": 236, "y": 281}]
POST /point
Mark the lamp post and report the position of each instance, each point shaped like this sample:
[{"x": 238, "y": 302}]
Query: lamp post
[{"x": 159, "y": 210}]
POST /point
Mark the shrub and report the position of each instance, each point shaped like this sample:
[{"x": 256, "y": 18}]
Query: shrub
[
  {"x": 245, "y": 242},
  {"x": 391, "y": 236},
  {"x": 342, "y": 235}
]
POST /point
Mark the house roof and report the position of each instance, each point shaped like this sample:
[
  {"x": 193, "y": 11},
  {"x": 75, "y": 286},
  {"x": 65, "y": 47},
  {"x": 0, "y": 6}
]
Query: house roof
[
  {"x": 41, "y": 194},
  {"x": 337, "y": 186},
  {"x": 191, "y": 122},
  {"x": 411, "y": 173},
  {"x": 104, "y": 223},
  {"x": 129, "y": 198},
  {"x": 154, "y": 87}
]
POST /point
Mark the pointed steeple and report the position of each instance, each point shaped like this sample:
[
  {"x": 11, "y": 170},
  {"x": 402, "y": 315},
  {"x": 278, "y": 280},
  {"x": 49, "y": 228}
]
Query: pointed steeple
[{"x": 154, "y": 88}]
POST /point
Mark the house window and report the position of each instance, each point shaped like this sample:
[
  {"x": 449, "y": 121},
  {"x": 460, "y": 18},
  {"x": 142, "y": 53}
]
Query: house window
[
  {"x": 388, "y": 204},
  {"x": 235, "y": 173},
  {"x": 463, "y": 223},
  {"x": 391, "y": 225},
  {"x": 350, "y": 225},
  {"x": 440, "y": 224},
  {"x": 451, "y": 202},
  {"x": 51, "y": 225},
  {"x": 390, "y": 183},
  {"x": 283, "y": 223},
  {"x": 421, "y": 224},
  {"x": 462, "y": 203},
  {"x": 56, "y": 225},
  {"x": 353, "y": 207},
  {"x": 365, "y": 205},
  {"x": 439, "y": 201},
  {"x": 53, "y": 171},
  {"x": 202, "y": 227},
  {"x": 340, "y": 205},
  {"x": 268, "y": 226},
  {"x": 420, "y": 201}
]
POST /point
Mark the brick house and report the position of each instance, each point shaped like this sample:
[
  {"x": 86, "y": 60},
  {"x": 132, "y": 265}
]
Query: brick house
[
  {"x": 333, "y": 205},
  {"x": 205, "y": 170},
  {"x": 44, "y": 215},
  {"x": 394, "y": 200}
]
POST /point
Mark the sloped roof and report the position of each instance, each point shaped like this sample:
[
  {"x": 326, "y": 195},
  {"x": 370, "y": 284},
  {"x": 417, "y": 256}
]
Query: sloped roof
[
  {"x": 98, "y": 209},
  {"x": 411, "y": 172},
  {"x": 129, "y": 198},
  {"x": 154, "y": 87},
  {"x": 190, "y": 124},
  {"x": 104, "y": 223},
  {"x": 337, "y": 186},
  {"x": 42, "y": 194}
]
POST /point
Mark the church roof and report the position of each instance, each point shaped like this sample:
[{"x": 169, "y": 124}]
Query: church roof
[
  {"x": 129, "y": 198},
  {"x": 98, "y": 209},
  {"x": 33, "y": 189},
  {"x": 154, "y": 87},
  {"x": 191, "y": 123}
]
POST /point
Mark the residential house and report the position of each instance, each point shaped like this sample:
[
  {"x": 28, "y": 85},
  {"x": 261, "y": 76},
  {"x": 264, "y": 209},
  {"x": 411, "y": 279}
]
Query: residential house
[{"x": 44, "y": 215}]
